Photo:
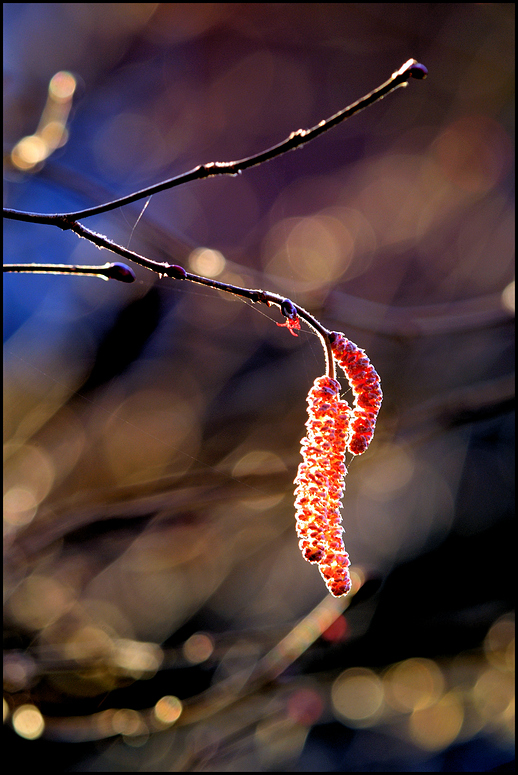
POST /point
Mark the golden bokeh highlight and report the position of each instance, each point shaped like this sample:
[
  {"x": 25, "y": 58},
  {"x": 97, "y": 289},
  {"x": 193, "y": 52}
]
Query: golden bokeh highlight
[
  {"x": 87, "y": 642},
  {"x": 168, "y": 709},
  {"x": 392, "y": 470},
  {"x": 29, "y": 475},
  {"x": 28, "y": 722},
  {"x": 415, "y": 690},
  {"x": 493, "y": 694},
  {"x": 127, "y": 721},
  {"x": 163, "y": 424},
  {"x": 357, "y": 696},
  {"x": 315, "y": 250},
  {"x": 136, "y": 658},
  {"x": 437, "y": 726},
  {"x": 473, "y": 153},
  {"x": 207, "y": 262},
  {"x": 20, "y": 506},
  {"x": 62, "y": 86},
  {"x": 198, "y": 648},
  {"x": 29, "y": 152},
  {"x": 39, "y": 600},
  {"x": 412, "y": 685},
  {"x": 499, "y": 644}
]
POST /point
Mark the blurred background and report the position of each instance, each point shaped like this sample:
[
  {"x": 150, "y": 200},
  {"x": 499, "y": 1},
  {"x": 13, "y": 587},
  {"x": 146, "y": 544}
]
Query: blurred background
[{"x": 159, "y": 615}]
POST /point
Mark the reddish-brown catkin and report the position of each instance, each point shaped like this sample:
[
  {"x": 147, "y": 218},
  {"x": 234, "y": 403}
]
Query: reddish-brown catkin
[
  {"x": 320, "y": 484},
  {"x": 366, "y": 387}
]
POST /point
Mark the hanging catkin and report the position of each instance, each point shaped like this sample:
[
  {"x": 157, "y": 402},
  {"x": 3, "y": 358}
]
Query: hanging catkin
[{"x": 332, "y": 428}]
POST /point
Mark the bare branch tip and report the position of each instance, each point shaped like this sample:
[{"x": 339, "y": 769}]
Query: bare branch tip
[
  {"x": 412, "y": 69},
  {"x": 121, "y": 272}
]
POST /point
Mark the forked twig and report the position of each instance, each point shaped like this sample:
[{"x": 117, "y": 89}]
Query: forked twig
[
  {"x": 291, "y": 311},
  {"x": 333, "y": 426}
]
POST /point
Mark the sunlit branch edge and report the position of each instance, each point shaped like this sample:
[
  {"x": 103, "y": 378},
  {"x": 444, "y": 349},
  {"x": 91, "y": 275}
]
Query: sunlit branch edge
[
  {"x": 68, "y": 221},
  {"x": 411, "y": 69}
]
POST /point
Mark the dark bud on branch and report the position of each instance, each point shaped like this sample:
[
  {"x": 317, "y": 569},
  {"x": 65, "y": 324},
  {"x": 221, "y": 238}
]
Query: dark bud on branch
[
  {"x": 120, "y": 272},
  {"x": 418, "y": 71},
  {"x": 411, "y": 69},
  {"x": 175, "y": 271},
  {"x": 288, "y": 309}
]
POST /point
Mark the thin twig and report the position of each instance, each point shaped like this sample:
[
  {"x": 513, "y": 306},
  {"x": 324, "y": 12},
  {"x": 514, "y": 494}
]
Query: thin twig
[
  {"x": 113, "y": 271},
  {"x": 68, "y": 221},
  {"x": 178, "y": 273},
  {"x": 411, "y": 69}
]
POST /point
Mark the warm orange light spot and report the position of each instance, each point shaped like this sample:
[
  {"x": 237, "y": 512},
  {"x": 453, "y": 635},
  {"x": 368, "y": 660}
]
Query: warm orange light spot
[
  {"x": 168, "y": 709},
  {"x": 198, "y": 648}
]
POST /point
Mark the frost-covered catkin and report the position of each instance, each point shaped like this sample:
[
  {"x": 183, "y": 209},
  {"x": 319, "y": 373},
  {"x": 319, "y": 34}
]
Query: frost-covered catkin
[{"x": 320, "y": 484}]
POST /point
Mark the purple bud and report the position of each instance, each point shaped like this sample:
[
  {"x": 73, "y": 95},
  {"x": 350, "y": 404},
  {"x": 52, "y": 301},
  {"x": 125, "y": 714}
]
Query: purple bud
[
  {"x": 418, "y": 71},
  {"x": 411, "y": 69},
  {"x": 120, "y": 272},
  {"x": 288, "y": 309}
]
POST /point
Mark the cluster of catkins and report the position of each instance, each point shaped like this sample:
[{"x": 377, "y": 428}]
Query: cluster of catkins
[{"x": 332, "y": 428}]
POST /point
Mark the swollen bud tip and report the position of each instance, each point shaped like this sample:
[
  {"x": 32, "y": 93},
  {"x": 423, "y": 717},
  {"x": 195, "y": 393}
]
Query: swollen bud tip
[
  {"x": 120, "y": 272},
  {"x": 175, "y": 271},
  {"x": 288, "y": 309},
  {"x": 418, "y": 71},
  {"x": 412, "y": 69}
]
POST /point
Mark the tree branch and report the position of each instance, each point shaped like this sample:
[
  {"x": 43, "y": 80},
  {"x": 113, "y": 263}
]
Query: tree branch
[
  {"x": 291, "y": 311},
  {"x": 114, "y": 271},
  {"x": 411, "y": 69}
]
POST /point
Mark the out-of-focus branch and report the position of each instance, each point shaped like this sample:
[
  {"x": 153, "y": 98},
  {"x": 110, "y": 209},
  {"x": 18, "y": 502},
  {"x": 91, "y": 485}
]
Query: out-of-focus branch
[{"x": 222, "y": 695}]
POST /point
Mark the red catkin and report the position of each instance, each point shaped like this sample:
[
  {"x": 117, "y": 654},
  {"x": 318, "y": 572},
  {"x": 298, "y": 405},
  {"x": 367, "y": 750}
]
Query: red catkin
[
  {"x": 366, "y": 387},
  {"x": 332, "y": 429},
  {"x": 320, "y": 484}
]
